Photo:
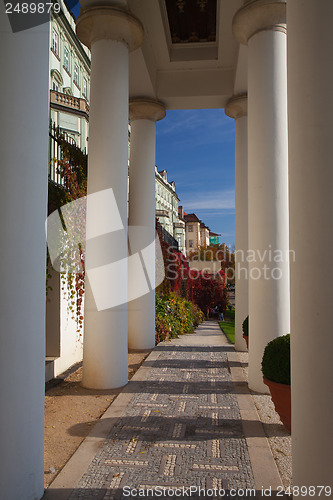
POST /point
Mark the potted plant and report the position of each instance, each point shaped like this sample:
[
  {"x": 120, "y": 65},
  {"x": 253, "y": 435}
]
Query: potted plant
[
  {"x": 246, "y": 331},
  {"x": 275, "y": 367}
]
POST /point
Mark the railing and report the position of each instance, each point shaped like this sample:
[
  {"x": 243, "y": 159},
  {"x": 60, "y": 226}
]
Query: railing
[
  {"x": 57, "y": 138},
  {"x": 166, "y": 236},
  {"x": 162, "y": 213},
  {"x": 69, "y": 101}
]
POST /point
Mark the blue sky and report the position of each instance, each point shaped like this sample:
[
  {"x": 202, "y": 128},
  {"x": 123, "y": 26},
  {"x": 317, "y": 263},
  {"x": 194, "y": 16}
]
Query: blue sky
[{"x": 196, "y": 147}]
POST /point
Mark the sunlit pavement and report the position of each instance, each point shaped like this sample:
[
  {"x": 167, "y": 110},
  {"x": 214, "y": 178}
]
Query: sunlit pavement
[{"x": 186, "y": 419}]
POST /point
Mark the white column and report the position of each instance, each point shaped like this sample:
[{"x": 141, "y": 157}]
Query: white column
[
  {"x": 24, "y": 108},
  {"x": 111, "y": 33},
  {"x": 236, "y": 108},
  {"x": 261, "y": 24},
  {"x": 141, "y": 312},
  {"x": 310, "y": 82}
]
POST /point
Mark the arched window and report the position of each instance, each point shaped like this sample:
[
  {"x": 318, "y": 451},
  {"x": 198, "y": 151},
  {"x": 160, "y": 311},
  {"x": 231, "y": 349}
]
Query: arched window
[{"x": 57, "y": 81}]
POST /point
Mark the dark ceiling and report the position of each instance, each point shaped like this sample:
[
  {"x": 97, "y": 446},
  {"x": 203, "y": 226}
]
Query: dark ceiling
[{"x": 192, "y": 21}]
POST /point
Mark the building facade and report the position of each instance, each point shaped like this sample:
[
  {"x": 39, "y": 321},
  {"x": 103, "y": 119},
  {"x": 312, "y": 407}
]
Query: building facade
[
  {"x": 197, "y": 234},
  {"x": 167, "y": 208},
  {"x": 69, "y": 77},
  {"x": 214, "y": 238},
  {"x": 204, "y": 235},
  {"x": 69, "y": 84},
  {"x": 283, "y": 124}
]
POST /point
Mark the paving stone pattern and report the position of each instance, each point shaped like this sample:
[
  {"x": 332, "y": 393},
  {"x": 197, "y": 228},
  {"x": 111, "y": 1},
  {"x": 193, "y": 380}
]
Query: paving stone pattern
[{"x": 182, "y": 428}]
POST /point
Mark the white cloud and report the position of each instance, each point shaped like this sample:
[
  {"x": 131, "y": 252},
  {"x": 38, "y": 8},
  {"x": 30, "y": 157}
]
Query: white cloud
[{"x": 223, "y": 200}]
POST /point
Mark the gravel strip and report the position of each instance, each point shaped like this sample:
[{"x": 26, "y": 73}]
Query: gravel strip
[{"x": 278, "y": 437}]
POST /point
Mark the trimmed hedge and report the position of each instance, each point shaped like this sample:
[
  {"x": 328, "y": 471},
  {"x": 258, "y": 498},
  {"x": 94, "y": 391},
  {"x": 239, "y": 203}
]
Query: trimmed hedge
[
  {"x": 246, "y": 327},
  {"x": 275, "y": 364},
  {"x": 175, "y": 316}
]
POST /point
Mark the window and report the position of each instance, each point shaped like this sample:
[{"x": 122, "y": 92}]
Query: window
[
  {"x": 55, "y": 42},
  {"x": 190, "y": 228},
  {"x": 84, "y": 87},
  {"x": 190, "y": 242},
  {"x": 66, "y": 59},
  {"x": 55, "y": 87},
  {"x": 76, "y": 74}
]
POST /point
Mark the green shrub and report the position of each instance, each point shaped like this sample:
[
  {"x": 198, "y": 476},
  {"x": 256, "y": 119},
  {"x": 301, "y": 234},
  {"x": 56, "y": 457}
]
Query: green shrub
[
  {"x": 246, "y": 327},
  {"x": 174, "y": 316},
  {"x": 275, "y": 363}
]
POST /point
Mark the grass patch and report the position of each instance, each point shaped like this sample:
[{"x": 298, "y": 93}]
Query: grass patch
[
  {"x": 228, "y": 327},
  {"x": 229, "y": 315}
]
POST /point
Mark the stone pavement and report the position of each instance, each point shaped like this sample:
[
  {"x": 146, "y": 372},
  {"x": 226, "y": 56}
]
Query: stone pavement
[{"x": 178, "y": 424}]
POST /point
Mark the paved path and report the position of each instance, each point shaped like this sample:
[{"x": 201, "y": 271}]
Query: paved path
[{"x": 177, "y": 424}]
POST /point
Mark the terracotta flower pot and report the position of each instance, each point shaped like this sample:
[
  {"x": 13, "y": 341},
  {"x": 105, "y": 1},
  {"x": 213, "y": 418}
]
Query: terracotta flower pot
[
  {"x": 280, "y": 394},
  {"x": 246, "y": 338}
]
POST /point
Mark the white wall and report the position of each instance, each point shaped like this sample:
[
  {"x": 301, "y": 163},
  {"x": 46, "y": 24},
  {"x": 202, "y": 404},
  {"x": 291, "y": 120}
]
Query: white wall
[
  {"x": 212, "y": 267},
  {"x": 63, "y": 342},
  {"x": 71, "y": 343}
]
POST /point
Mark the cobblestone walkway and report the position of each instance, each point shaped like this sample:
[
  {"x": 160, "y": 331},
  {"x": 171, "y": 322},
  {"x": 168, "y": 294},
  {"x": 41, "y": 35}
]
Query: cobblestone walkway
[{"x": 182, "y": 428}]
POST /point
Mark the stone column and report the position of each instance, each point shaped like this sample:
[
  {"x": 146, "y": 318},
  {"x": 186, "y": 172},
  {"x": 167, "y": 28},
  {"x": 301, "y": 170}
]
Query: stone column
[
  {"x": 23, "y": 201},
  {"x": 111, "y": 33},
  {"x": 236, "y": 108},
  {"x": 261, "y": 24},
  {"x": 310, "y": 112},
  {"x": 141, "y": 312}
]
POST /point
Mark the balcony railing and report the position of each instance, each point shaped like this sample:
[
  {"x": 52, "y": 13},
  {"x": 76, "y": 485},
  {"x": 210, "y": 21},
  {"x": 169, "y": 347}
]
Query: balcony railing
[
  {"x": 162, "y": 213},
  {"x": 167, "y": 237},
  {"x": 59, "y": 138},
  {"x": 69, "y": 101}
]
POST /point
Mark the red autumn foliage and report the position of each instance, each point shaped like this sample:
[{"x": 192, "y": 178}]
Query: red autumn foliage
[{"x": 203, "y": 289}]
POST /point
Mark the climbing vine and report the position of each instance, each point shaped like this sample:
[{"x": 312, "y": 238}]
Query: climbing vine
[
  {"x": 199, "y": 287},
  {"x": 72, "y": 169}
]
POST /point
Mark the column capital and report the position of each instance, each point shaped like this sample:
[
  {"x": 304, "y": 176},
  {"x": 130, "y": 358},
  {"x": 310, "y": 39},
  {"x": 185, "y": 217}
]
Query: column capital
[
  {"x": 109, "y": 23},
  {"x": 259, "y": 15},
  {"x": 145, "y": 108},
  {"x": 236, "y": 106}
]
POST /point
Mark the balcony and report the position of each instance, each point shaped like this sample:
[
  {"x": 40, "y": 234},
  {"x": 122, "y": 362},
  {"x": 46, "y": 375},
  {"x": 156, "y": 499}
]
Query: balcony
[
  {"x": 69, "y": 101},
  {"x": 162, "y": 213}
]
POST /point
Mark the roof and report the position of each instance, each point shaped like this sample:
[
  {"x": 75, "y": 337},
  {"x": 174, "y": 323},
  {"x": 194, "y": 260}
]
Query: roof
[
  {"x": 213, "y": 234},
  {"x": 191, "y": 218}
]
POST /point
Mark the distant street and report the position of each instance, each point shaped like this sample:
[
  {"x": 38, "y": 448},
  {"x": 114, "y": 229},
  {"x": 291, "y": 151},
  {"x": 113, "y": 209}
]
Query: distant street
[{"x": 231, "y": 296}]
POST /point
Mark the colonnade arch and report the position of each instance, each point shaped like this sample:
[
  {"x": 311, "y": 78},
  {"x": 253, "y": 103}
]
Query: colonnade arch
[{"x": 306, "y": 49}]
